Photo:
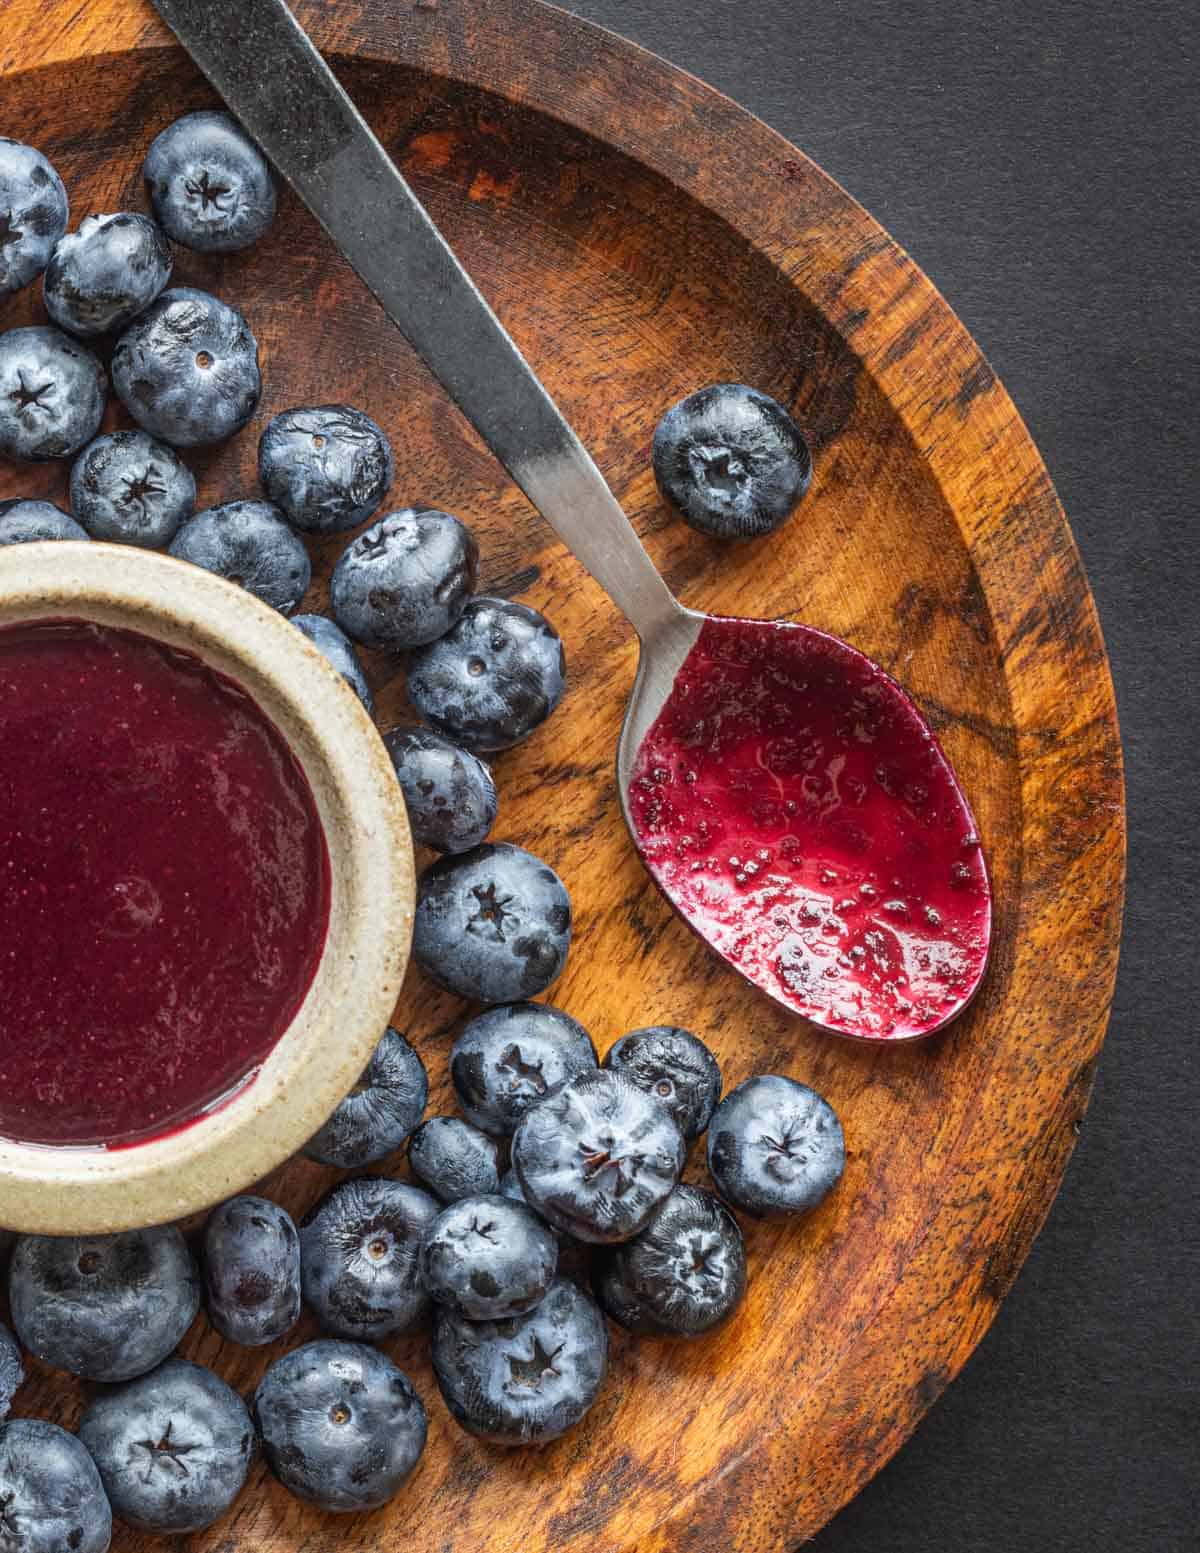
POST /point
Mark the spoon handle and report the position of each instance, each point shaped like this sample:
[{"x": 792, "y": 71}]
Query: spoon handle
[{"x": 264, "y": 65}]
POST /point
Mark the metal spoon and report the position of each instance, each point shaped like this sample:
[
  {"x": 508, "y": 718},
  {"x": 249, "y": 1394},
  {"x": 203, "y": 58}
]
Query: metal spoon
[{"x": 849, "y": 888}]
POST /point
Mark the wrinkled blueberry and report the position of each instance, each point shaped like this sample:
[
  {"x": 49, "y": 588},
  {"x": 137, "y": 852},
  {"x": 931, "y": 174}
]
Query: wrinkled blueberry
[
  {"x": 24, "y": 522},
  {"x": 360, "y": 1257},
  {"x": 33, "y": 214},
  {"x": 379, "y": 1112},
  {"x": 675, "y": 1068},
  {"x": 107, "y": 1307},
  {"x": 51, "y": 1496},
  {"x": 597, "y": 1156},
  {"x": 511, "y": 1057},
  {"x": 187, "y": 369},
  {"x": 173, "y": 1447},
  {"x": 488, "y": 1257},
  {"x": 341, "y": 1426},
  {"x": 102, "y": 276},
  {"x": 732, "y": 461},
  {"x": 208, "y": 183},
  {"x": 337, "y": 648},
  {"x": 454, "y": 1159},
  {"x": 252, "y": 1271},
  {"x": 449, "y": 793},
  {"x": 128, "y": 489},
  {"x": 12, "y": 1372},
  {"x": 525, "y": 1379},
  {"x": 406, "y": 580},
  {"x": 328, "y": 467},
  {"x": 682, "y": 1275},
  {"x": 775, "y": 1147},
  {"x": 52, "y": 393},
  {"x": 492, "y": 679},
  {"x": 493, "y": 924},
  {"x": 248, "y": 542}
]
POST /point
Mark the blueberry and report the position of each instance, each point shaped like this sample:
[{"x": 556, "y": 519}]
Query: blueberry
[
  {"x": 341, "y": 1426},
  {"x": 597, "y": 1156},
  {"x": 337, "y": 648},
  {"x": 328, "y": 467},
  {"x": 252, "y": 1271},
  {"x": 449, "y": 793},
  {"x": 492, "y": 679},
  {"x": 675, "y": 1068},
  {"x": 12, "y": 1372},
  {"x": 187, "y": 369},
  {"x": 488, "y": 1257},
  {"x": 525, "y": 1379},
  {"x": 511, "y": 1057},
  {"x": 107, "y": 1307},
  {"x": 405, "y": 581},
  {"x": 52, "y": 393},
  {"x": 732, "y": 461},
  {"x": 775, "y": 1147},
  {"x": 130, "y": 490},
  {"x": 379, "y": 1112},
  {"x": 360, "y": 1257},
  {"x": 682, "y": 1275},
  {"x": 22, "y": 522},
  {"x": 173, "y": 1447},
  {"x": 33, "y": 214},
  {"x": 493, "y": 924},
  {"x": 102, "y": 276},
  {"x": 209, "y": 184},
  {"x": 51, "y": 1496},
  {"x": 249, "y": 543},
  {"x": 454, "y": 1159}
]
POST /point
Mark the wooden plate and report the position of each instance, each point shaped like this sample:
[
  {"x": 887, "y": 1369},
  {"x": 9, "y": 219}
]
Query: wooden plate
[{"x": 641, "y": 236}]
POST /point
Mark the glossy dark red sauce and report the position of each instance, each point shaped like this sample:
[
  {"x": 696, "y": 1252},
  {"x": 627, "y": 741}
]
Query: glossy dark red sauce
[
  {"x": 164, "y": 885},
  {"x": 794, "y": 806}
]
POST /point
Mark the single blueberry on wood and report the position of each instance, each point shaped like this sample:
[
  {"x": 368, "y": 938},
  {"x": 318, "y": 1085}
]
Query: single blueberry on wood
[
  {"x": 52, "y": 394},
  {"x": 448, "y": 792},
  {"x": 248, "y": 542},
  {"x": 128, "y": 489},
  {"x": 33, "y": 214},
  {"x": 454, "y": 1159},
  {"x": 209, "y": 185},
  {"x": 379, "y": 1112},
  {"x": 102, "y": 276},
  {"x": 23, "y": 521},
  {"x": 406, "y": 580},
  {"x": 252, "y": 1271},
  {"x": 327, "y": 467},
  {"x": 488, "y": 1257},
  {"x": 511, "y": 1057},
  {"x": 775, "y": 1147},
  {"x": 675, "y": 1068}
]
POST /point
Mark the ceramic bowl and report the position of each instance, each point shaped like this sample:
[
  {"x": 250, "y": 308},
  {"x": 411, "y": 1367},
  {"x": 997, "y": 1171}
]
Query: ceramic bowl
[{"x": 89, "y": 1190}]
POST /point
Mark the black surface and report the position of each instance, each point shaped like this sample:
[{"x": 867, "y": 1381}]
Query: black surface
[{"x": 1038, "y": 159}]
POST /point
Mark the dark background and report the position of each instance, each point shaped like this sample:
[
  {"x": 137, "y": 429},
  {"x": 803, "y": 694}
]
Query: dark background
[{"x": 1038, "y": 158}]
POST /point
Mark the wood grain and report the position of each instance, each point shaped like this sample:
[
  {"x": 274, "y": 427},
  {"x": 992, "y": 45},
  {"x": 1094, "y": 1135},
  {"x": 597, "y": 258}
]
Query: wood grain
[{"x": 641, "y": 235}]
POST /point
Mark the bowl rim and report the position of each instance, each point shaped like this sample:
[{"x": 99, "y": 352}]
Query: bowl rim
[{"x": 69, "y": 1190}]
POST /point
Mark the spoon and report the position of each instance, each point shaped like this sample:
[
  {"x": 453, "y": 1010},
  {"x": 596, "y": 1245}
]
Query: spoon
[{"x": 786, "y": 795}]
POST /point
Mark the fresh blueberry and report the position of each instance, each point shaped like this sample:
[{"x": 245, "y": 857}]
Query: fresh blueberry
[
  {"x": 488, "y": 1257},
  {"x": 732, "y": 461},
  {"x": 360, "y": 1257},
  {"x": 33, "y": 214},
  {"x": 23, "y": 522},
  {"x": 337, "y": 648},
  {"x": 454, "y": 1159},
  {"x": 209, "y": 184},
  {"x": 492, "y": 679},
  {"x": 675, "y": 1068},
  {"x": 12, "y": 1372},
  {"x": 51, "y": 1496},
  {"x": 493, "y": 924},
  {"x": 525, "y": 1379},
  {"x": 102, "y": 276},
  {"x": 173, "y": 1447},
  {"x": 775, "y": 1147},
  {"x": 187, "y": 369},
  {"x": 249, "y": 543},
  {"x": 406, "y": 580},
  {"x": 341, "y": 1426},
  {"x": 682, "y": 1275},
  {"x": 130, "y": 490},
  {"x": 511, "y": 1057},
  {"x": 379, "y": 1112},
  {"x": 328, "y": 467},
  {"x": 52, "y": 393},
  {"x": 252, "y": 1271},
  {"x": 107, "y": 1307},
  {"x": 597, "y": 1156},
  {"x": 449, "y": 793}
]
